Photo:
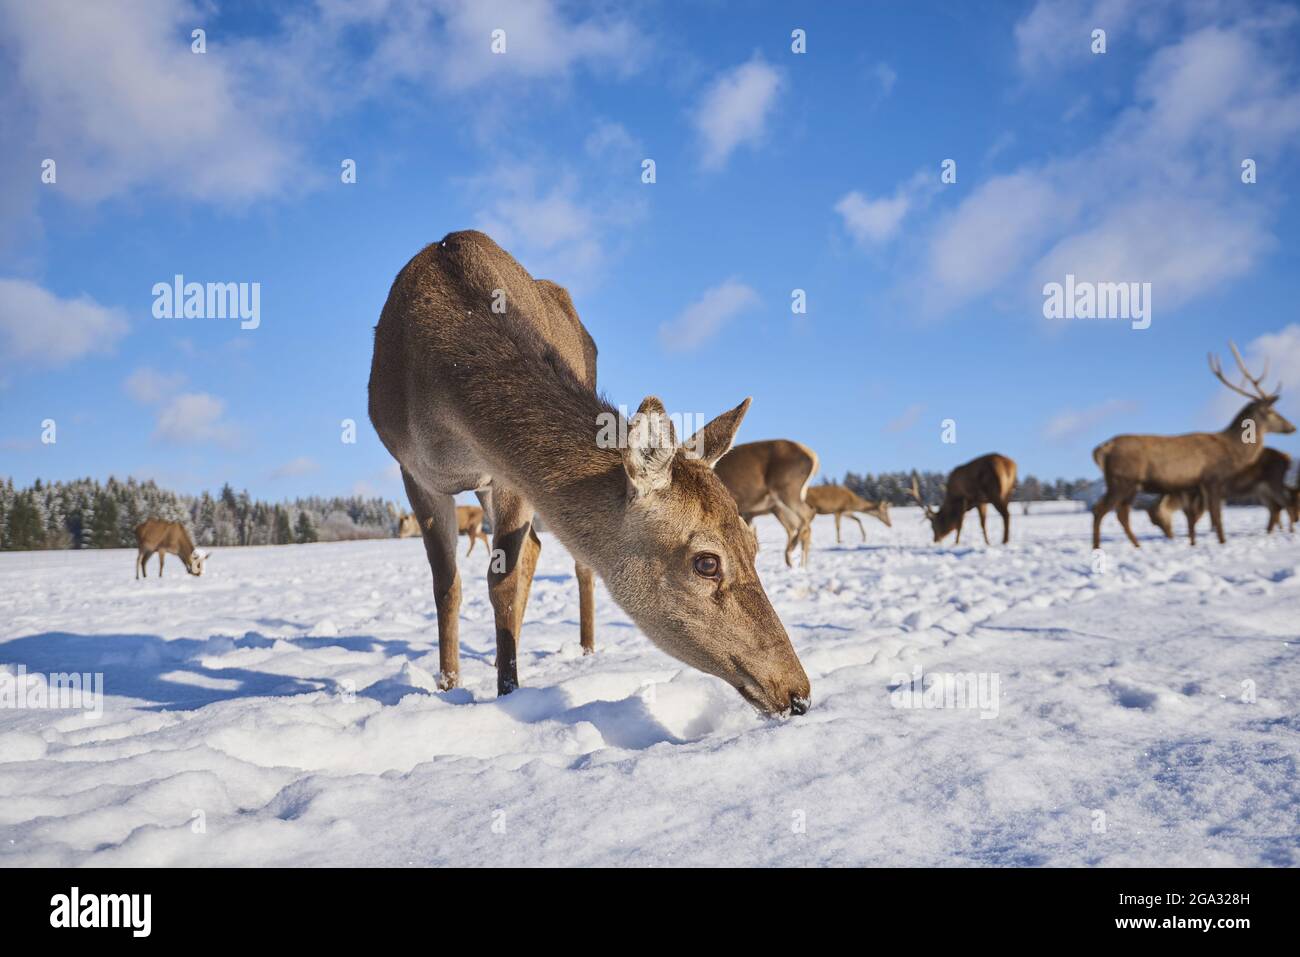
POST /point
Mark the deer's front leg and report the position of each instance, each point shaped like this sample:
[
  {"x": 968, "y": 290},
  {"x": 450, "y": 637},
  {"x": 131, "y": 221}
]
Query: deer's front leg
[
  {"x": 436, "y": 513},
  {"x": 586, "y": 607},
  {"x": 515, "y": 547},
  {"x": 1216, "y": 513}
]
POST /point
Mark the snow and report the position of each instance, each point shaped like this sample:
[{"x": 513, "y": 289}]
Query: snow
[{"x": 282, "y": 710}]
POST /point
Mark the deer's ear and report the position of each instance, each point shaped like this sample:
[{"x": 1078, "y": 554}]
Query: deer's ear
[
  {"x": 714, "y": 440},
  {"x": 651, "y": 445}
]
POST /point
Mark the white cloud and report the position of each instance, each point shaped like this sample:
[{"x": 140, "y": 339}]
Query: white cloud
[
  {"x": 609, "y": 138},
  {"x": 302, "y": 465},
  {"x": 1150, "y": 201},
  {"x": 195, "y": 418},
  {"x": 148, "y": 386},
  {"x": 702, "y": 319},
  {"x": 40, "y": 329},
  {"x": 735, "y": 109},
  {"x": 886, "y": 76},
  {"x": 1075, "y": 423},
  {"x": 908, "y": 418},
  {"x": 540, "y": 42},
  {"x": 118, "y": 100},
  {"x": 872, "y": 222},
  {"x": 558, "y": 224},
  {"x": 113, "y": 92},
  {"x": 1059, "y": 32}
]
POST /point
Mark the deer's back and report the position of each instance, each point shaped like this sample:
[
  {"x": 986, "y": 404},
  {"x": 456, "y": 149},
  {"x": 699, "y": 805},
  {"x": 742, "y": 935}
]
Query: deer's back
[
  {"x": 753, "y": 469},
  {"x": 832, "y": 498},
  {"x": 156, "y": 534},
  {"x": 990, "y": 477},
  {"x": 463, "y": 314},
  {"x": 1167, "y": 462}
]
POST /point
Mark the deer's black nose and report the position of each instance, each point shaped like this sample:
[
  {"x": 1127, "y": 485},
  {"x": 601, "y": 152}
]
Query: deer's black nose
[{"x": 799, "y": 705}]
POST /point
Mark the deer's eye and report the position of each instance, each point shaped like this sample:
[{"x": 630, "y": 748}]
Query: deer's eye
[{"x": 707, "y": 565}]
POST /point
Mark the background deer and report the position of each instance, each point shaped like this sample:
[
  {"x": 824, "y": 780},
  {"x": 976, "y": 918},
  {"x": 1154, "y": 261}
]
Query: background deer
[
  {"x": 772, "y": 477},
  {"x": 468, "y": 397},
  {"x": 830, "y": 499},
  {"x": 408, "y": 526},
  {"x": 1204, "y": 461},
  {"x": 469, "y": 521},
  {"x": 156, "y": 536},
  {"x": 1265, "y": 479},
  {"x": 987, "y": 480}
]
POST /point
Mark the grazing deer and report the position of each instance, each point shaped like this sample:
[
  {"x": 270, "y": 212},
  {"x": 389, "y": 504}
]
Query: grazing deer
[
  {"x": 772, "y": 477},
  {"x": 469, "y": 521},
  {"x": 1265, "y": 479},
  {"x": 1204, "y": 461},
  {"x": 987, "y": 480},
  {"x": 467, "y": 395},
  {"x": 839, "y": 501},
  {"x": 156, "y": 536}
]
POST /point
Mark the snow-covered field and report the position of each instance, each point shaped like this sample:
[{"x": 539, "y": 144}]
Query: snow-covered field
[{"x": 279, "y": 711}]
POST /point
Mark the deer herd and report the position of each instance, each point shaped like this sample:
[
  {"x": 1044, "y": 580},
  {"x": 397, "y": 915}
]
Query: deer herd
[{"x": 467, "y": 397}]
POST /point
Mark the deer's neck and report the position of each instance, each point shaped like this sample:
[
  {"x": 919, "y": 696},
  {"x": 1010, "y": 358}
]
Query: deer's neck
[
  {"x": 1243, "y": 451},
  {"x": 538, "y": 428}
]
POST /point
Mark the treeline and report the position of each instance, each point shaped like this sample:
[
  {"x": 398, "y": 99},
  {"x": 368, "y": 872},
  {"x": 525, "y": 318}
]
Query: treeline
[
  {"x": 895, "y": 487},
  {"x": 87, "y": 514}
]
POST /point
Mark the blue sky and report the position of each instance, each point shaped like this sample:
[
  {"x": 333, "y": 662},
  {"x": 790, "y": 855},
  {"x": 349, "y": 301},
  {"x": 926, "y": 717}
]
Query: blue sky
[{"x": 775, "y": 171}]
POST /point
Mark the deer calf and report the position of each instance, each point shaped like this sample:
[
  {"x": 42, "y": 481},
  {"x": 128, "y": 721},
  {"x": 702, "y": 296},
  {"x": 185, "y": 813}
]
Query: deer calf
[
  {"x": 830, "y": 499},
  {"x": 156, "y": 536},
  {"x": 987, "y": 480},
  {"x": 1266, "y": 480}
]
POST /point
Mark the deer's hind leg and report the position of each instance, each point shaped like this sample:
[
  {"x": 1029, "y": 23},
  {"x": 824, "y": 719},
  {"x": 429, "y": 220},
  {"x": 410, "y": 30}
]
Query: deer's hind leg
[
  {"x": 515, "y": 547},
  {"x": 1122, "y": 509},
  {"x": 161, "y": 556},
  {"x": 1005, "y": 512},
  {"x": 436, "y": 513},
  {"x": 1119, "y": 497},
  {"x": 983, "y": 509}
]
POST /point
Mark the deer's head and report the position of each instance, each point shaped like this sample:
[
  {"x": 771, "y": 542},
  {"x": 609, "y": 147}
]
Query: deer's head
[
  {"x": 941, "y": 522},
  {"x": 1260, "y": 409},
  {"x": 880, "y": 510},
  {"x": 688, "y": 577},
  {"x": 195, "y": 563}
]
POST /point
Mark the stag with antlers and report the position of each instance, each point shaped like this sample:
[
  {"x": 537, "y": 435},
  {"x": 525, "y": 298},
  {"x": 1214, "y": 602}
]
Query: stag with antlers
[
  {"x": 1198, "y": 462},
  {"x": 987, "y": 480}
]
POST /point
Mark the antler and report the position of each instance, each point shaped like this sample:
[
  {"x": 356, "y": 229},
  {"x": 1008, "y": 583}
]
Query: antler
[
  {"x": 1256, "y": 381},
  {"x": 915, "y": 492}
]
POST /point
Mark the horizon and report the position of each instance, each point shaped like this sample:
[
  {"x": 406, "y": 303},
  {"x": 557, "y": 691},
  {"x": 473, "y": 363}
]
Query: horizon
[{"x": 925, "y": 299}]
